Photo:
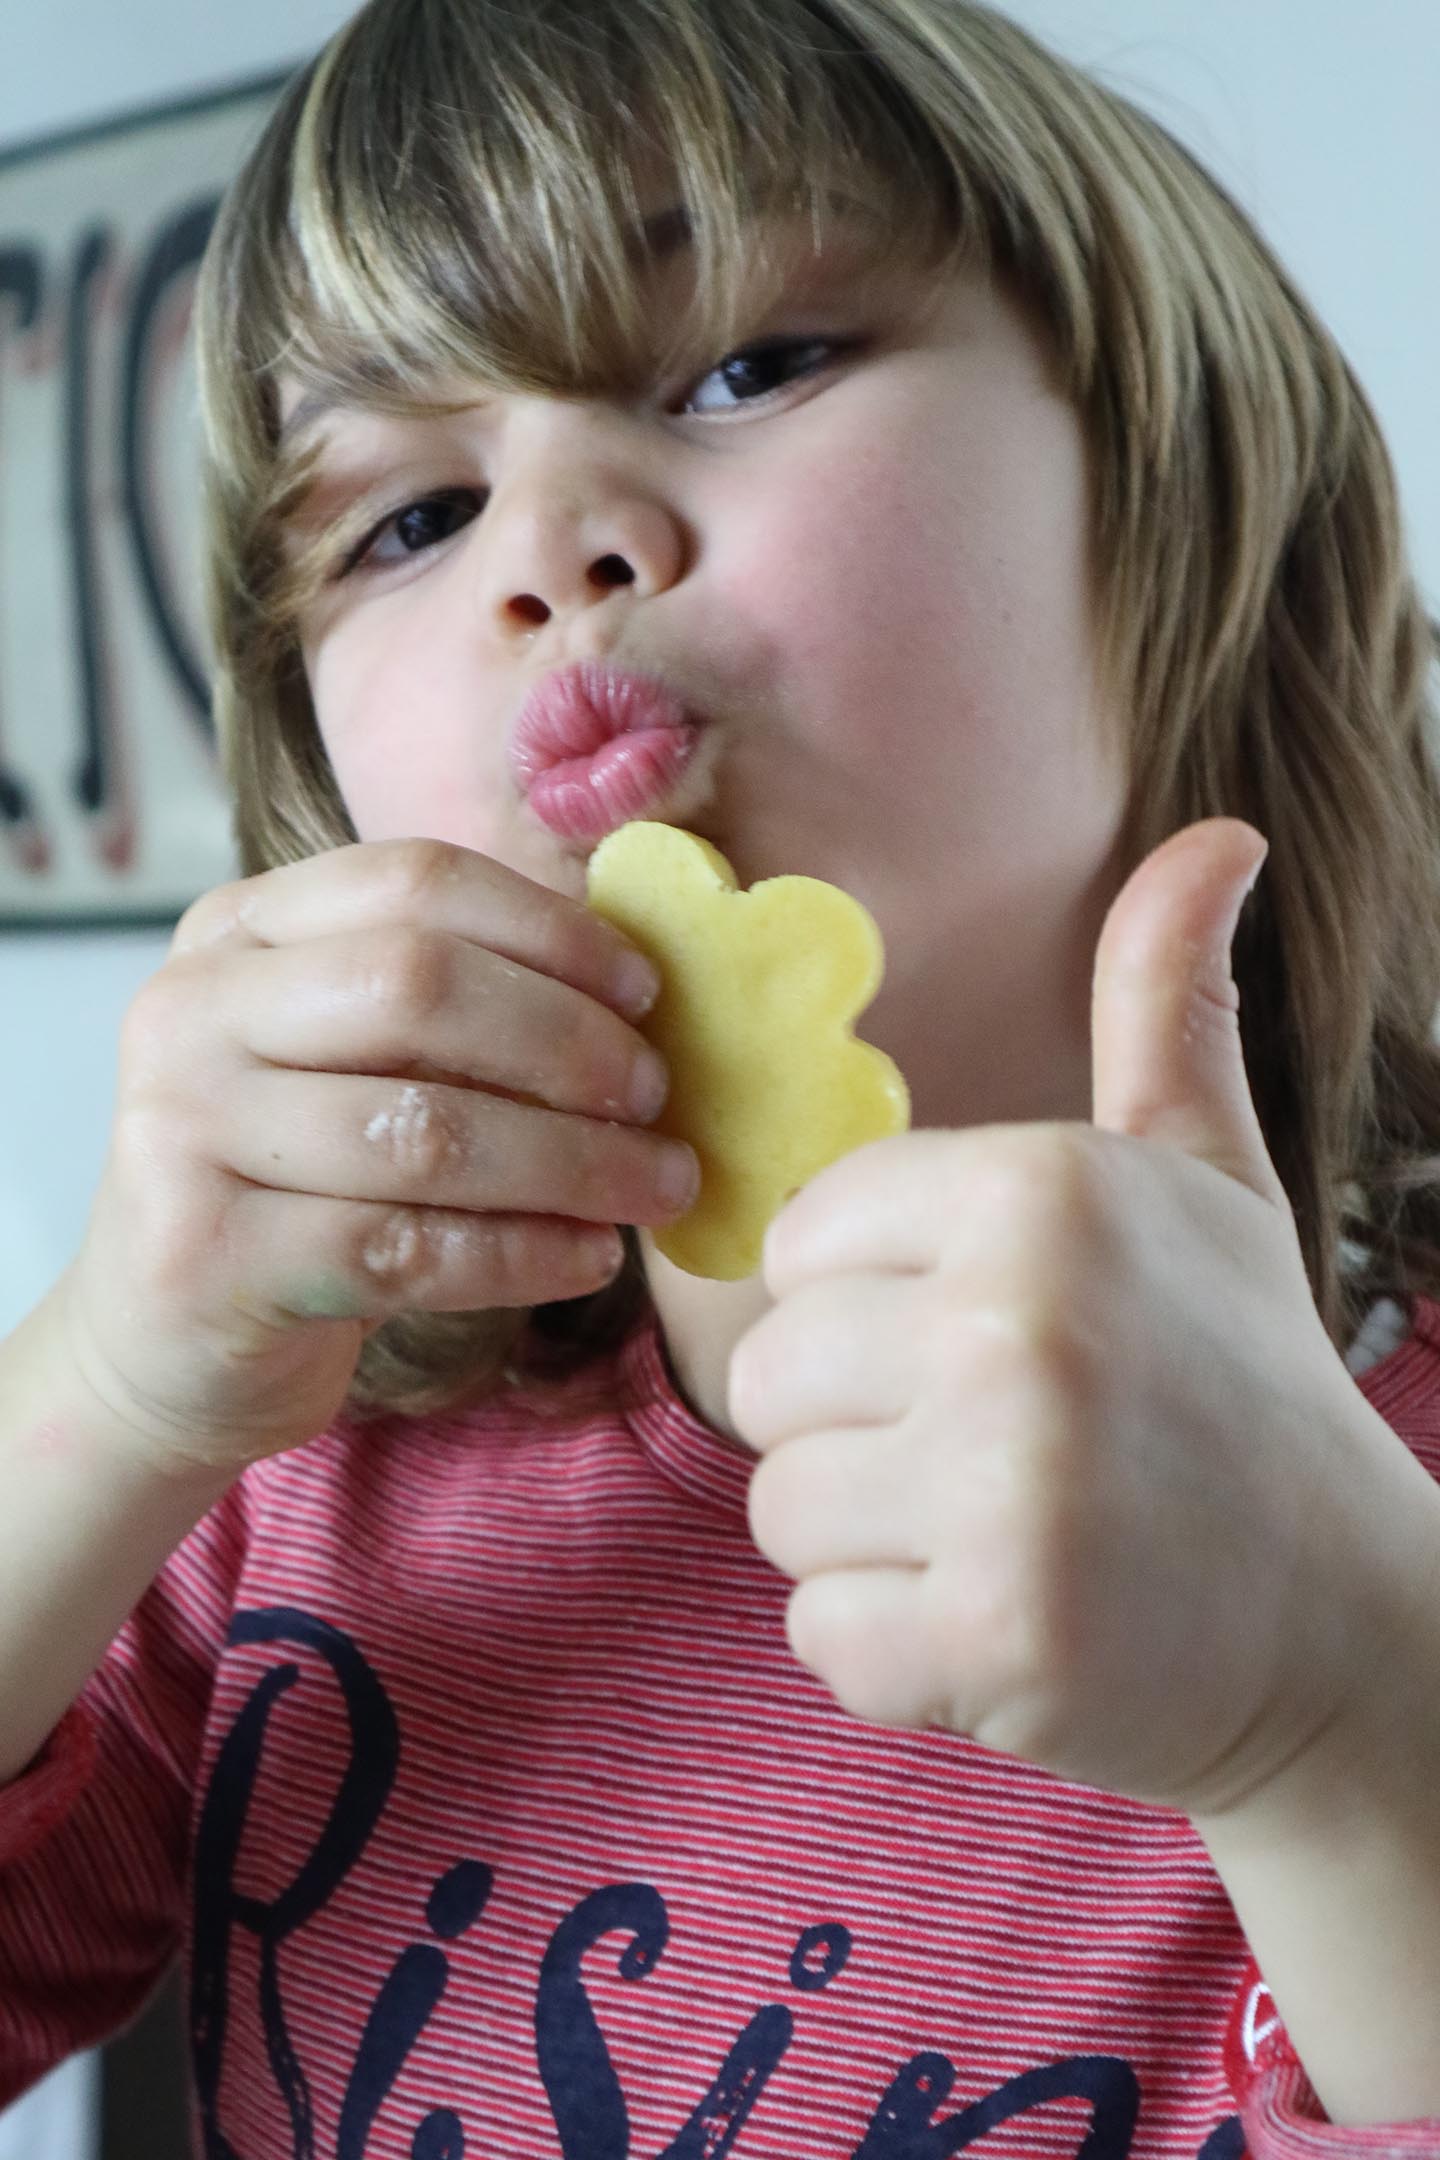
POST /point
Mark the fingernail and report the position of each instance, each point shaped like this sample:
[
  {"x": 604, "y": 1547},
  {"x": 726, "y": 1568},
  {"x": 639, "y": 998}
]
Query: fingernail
[
  {"x": 677, "y": 1179},
  {"x": 649, "y": 1085},
  {"x": 1254, "y": 877},
  {"x": 599, "y": 1255},
  {"x": 636, "y": 983}
]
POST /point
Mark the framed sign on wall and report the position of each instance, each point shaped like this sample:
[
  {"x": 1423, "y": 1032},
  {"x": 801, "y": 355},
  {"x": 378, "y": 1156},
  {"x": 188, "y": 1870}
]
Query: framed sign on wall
[{"x": 111, "y": 804}]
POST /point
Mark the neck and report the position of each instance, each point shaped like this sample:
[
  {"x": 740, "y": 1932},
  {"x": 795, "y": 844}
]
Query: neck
[{"x": 701, "y": 1322}]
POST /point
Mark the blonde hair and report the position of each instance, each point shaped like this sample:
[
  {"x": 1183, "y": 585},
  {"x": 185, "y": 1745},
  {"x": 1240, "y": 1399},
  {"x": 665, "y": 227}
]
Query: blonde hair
[{"x": 450, "y": 189}]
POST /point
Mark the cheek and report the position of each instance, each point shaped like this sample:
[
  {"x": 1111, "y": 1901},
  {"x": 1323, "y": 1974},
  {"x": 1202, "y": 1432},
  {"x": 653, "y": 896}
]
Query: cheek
[
  {"x": 876, "y": 587},
  {"x": 940, "y": 579},
  {"x": 835, "y": 547},
  {"x": 395, "y": 729}
]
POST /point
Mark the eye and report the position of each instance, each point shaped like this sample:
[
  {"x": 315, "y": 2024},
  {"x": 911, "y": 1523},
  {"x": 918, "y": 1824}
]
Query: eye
[
  {"x": 413, "y": 528},
  {"x": 756, "y": 372}
]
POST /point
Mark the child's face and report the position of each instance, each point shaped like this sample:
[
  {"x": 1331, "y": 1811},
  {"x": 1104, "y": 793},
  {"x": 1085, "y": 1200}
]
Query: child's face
[{"x": 873, "y": 583}]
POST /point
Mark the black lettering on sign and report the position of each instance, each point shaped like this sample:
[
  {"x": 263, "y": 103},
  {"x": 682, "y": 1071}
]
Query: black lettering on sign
[
  {"x": 98, "y": 782},
  {"x": 112, "y": 803},
  {"x": 22, "y": 287},
  {"x": 168, "y": 270}
]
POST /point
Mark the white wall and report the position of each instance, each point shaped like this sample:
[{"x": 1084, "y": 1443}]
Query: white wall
[
  {"x": 1317, "y": 114},
  {"x": 63, "y": 994}
]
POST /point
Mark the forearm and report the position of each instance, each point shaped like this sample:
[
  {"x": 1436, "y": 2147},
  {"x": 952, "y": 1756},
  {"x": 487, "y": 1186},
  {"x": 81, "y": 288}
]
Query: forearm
[
  {"x": 85, "y": 1526},
  {"x": 1334, "y": 1873}
]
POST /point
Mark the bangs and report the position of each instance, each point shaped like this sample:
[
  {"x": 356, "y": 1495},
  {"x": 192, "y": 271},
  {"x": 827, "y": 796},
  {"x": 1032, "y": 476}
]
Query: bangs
[{"x": 457, "y": 191}]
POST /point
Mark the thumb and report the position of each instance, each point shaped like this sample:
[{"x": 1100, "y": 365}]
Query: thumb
[{"x": 1165, "y": 1012}]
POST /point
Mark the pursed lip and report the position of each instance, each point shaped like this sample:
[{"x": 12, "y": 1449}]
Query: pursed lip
[{"x": 574, "y": 712}]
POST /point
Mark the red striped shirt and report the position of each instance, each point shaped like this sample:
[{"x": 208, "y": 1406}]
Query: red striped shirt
[{"x": 466, "y": 1764}]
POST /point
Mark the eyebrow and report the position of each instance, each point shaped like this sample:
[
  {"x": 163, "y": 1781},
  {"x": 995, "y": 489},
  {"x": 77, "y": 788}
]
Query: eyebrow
[{"x": 660, "y": 238}]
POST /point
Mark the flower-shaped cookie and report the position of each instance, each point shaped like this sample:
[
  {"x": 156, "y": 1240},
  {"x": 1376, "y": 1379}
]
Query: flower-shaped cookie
[{"x": 767, "y": 1080}]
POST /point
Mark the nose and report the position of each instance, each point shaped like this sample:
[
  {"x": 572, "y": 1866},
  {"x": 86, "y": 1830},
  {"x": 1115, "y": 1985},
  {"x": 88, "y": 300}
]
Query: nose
[{"x": 577, "y": 516}]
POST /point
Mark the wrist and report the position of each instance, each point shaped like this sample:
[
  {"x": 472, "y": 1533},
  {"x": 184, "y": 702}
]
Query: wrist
[
  {"x": 1335, "y": 1882},
  {"x": 1361, "y": 1692},
  {"x": 88, "y": 1522},
  {"x": 1332, "y": 1862},
  {"x": 59, "y": 1421}
]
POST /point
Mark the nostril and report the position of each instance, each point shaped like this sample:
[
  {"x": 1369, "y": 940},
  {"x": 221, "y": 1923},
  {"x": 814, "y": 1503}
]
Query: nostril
[
  {"x": 532, "y": 609},
  {"x": 612, "y": 570}
]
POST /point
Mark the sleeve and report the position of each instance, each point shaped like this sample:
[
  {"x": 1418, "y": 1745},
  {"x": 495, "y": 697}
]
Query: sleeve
[{"x": 95, "y": 1833}]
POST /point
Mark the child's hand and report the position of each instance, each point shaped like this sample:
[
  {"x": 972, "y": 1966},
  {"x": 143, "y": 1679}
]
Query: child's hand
[
  {"x": 1053, "y": 1437},
  {"x": 387, "y": 1078}
]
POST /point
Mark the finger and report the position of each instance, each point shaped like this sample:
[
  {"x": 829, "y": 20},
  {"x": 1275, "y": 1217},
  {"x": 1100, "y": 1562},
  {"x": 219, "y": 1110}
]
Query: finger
[
  {"x": 865, "y": 1633},
  {"x": 394, "y": 1001},
  {"x": 838, "y": 1352},
  {"x": 880, "y": 1209},
  {"x": 318, "y": 1259},
  {"x": 423, "y": 1144},
  {"x": 830, "y": 1500},
  {"x": 378, "y": 884},
  {"x": 1165, "y": 1028}
]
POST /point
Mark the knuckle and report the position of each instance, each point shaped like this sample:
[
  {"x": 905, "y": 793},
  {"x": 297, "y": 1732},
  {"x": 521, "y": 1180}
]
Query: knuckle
[
  {"x": 416, "y": 1136},
  {"x": 812, "y": 1633},
  {"x": 997, "y": 1606},
  {"x": 408, "y": 1254},
  {"x": 171, "y": 1225},
  {"x": 770, "y": 1509},
  {"x": 1037, "y": 1653},
  {"x": 412, "y": 872},
  {"x": 592, "y": 1151},
  {"x": 601, "y": 1050},
  {"x": 1084, "y": 1185},
  {"x": 1071, "y": 1367},
  {"x": 147, "y": 1133},
  {"x": 747, "y": 1388},
  {"x": 1054, "y": 1364},
  {"x": 1033, "y": 1601},
  {"x": 394, "y": 1253},
  {"x": 1047, "y": 1171},
  {"x": 589, "y": 945},
  {"x": 1029, "y": 1346},
  {"x": 506, "y": 1249},
  {"x": 175, "y": 1255},
  {"x": 155, "y": 1020},
  {"x": 211, "y": 915},
  {"x": 409, "y": 971},
  {"x": 828, "y": 1634}
]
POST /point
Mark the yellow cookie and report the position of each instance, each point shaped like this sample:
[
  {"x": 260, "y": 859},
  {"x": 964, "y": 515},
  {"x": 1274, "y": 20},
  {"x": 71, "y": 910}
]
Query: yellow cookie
[{"x": 767, "y": 1080}]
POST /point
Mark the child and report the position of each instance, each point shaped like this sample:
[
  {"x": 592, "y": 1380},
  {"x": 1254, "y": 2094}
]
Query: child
[{"x": 974, "y": 1680}]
